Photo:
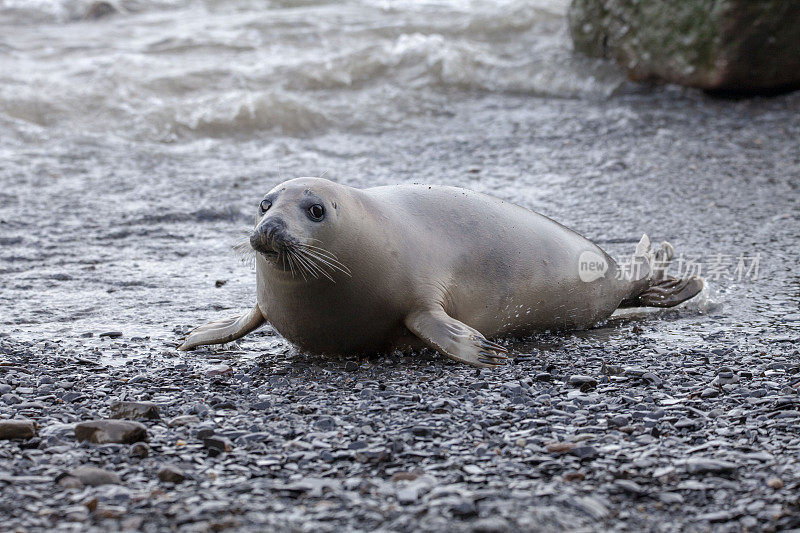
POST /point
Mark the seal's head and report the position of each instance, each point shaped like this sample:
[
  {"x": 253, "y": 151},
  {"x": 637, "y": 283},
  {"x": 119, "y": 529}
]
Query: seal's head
[{"x": 294, "y": 227}]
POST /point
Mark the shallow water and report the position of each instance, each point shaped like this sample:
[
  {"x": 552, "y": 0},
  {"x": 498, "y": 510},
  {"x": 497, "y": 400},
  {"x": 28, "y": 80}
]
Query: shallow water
[{"x": 135, "y": 148}]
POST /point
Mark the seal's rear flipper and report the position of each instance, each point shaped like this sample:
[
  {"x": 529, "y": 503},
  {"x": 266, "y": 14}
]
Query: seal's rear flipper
[
  {"x": 648, "y": 264},
  {"x": 225, "y": 330},
  {"x": 667, "y": 292},
  {"x": 455, "y": 339}
]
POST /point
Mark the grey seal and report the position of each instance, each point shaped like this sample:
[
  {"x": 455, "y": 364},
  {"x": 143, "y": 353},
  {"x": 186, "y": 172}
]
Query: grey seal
[{"x": 341, "y": 270}]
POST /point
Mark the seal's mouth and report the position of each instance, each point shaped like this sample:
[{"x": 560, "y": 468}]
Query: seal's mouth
[
  {"x": 304, "y": 261},
  {"x": 277, "y": 256},
  {"x": 269, "y": 254},
  {"x": 275, "y": 252}
]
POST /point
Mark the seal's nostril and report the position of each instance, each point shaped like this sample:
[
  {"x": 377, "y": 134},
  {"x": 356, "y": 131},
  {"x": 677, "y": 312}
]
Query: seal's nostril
[{"x": 256, "y": 241}]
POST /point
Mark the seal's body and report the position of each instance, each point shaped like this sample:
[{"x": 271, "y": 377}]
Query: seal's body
[{"x": 343, "y": 271}]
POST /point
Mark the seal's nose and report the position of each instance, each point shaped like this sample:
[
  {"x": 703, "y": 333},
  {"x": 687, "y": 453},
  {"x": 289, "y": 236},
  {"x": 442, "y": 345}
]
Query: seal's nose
[{"x": 270, "y": 235}]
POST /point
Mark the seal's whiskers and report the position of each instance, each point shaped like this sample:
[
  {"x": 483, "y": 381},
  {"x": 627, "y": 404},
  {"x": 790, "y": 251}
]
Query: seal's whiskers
[
  {"x": 312, "y": 265},
  {"x": 304, "y": 264},
  {"x": 245, "y": 252},
  {"x": 325, "y": 257}
]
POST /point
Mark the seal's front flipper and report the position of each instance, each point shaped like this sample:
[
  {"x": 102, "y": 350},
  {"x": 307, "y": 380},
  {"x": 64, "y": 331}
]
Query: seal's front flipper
[
  {"x": 455, "y": 339},
  {"x": 667, "y": 292},
  {"x": 226, "y": 330}
]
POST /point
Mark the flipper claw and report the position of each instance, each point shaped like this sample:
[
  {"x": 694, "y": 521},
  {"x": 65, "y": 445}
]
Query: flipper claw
[{"x": 455, "y": 339}]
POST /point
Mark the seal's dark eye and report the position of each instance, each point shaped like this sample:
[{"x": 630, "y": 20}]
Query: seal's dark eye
[
  {"x": 265, "y": 204},
  {"x": 316, "y": 212}
]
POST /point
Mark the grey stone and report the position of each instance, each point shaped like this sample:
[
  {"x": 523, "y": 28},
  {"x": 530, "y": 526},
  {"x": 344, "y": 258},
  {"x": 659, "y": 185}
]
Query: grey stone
[
  {"x": 631, "y": 487},
  {"x": 325, "y": 423},
  {"x": 93, "y": 476},
  {"x": 464, "y": 509},
  {"x": 652, "y": 378},
  {"x": 10, "y": 399},
  {"x": 140, "y": 450},
  {"x": 701, "y": 465},
  {"x": 717, "y": 516},
  {"x": 219, "y": 370},
  {"x": 619, "y": 421},
  {"x": 408, "y": 494},
  {"x": 584, "y": 452},
  {"x": 422, "y": 431},
  {"x": 183, "y": 420},
  {"x": 110, "y": 431},
  {"x": 493, "y": 524},
  {"x": 670, "y": 497},
  {"x": 134, "y": 410},
  {"x": 171, "y": 474},
  {"x": 218, "y": 443},
  {"x": 591, "y": 506},
  {"x": 581, "y": 380}
]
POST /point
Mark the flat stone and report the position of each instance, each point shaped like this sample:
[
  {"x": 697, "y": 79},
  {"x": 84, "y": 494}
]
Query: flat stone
[
  {"x": 422, "y": 431},
  {"x": 10, "y": 399},
  {"x": 584, "y": 452},
  {"x": 701, "y": 465},
  {"x": 670, "y": 497},
  {"x": 685, "y": 423},
  {"x": 717, "y": 516},
  {"x": 581, "y": 381},
  {"x": 17, "y": 429},
  {"x": 493, "y": 524},
  {"x": 631, "y": 487},
  {"x": 219, "y": 370},
  {"x": 93, "y": 476},
  {"x": 408, "y": 495},
  {"x": 591, "y": 506},
  {"x": 473, "y": 470},
  {"x": 652, "y": 378},
  {"x": 134, "y": 410},
  {"x": 325, "y": 423},
  {"x": 110, "y": 431},
  {"x": 183, "y": 420},
  {"x": 560, "y": 447}
]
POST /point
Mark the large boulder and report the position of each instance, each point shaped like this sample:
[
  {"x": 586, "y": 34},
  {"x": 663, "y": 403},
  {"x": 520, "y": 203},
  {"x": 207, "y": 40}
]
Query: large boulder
[{"x": 748, "y": 46}]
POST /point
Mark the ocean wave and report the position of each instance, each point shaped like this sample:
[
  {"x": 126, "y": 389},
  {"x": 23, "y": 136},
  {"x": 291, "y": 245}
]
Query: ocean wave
[
  {"x": 416, "y": 61},
  {"x": 182, "y": 69},
  {"x": 238, "y": 113}
]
